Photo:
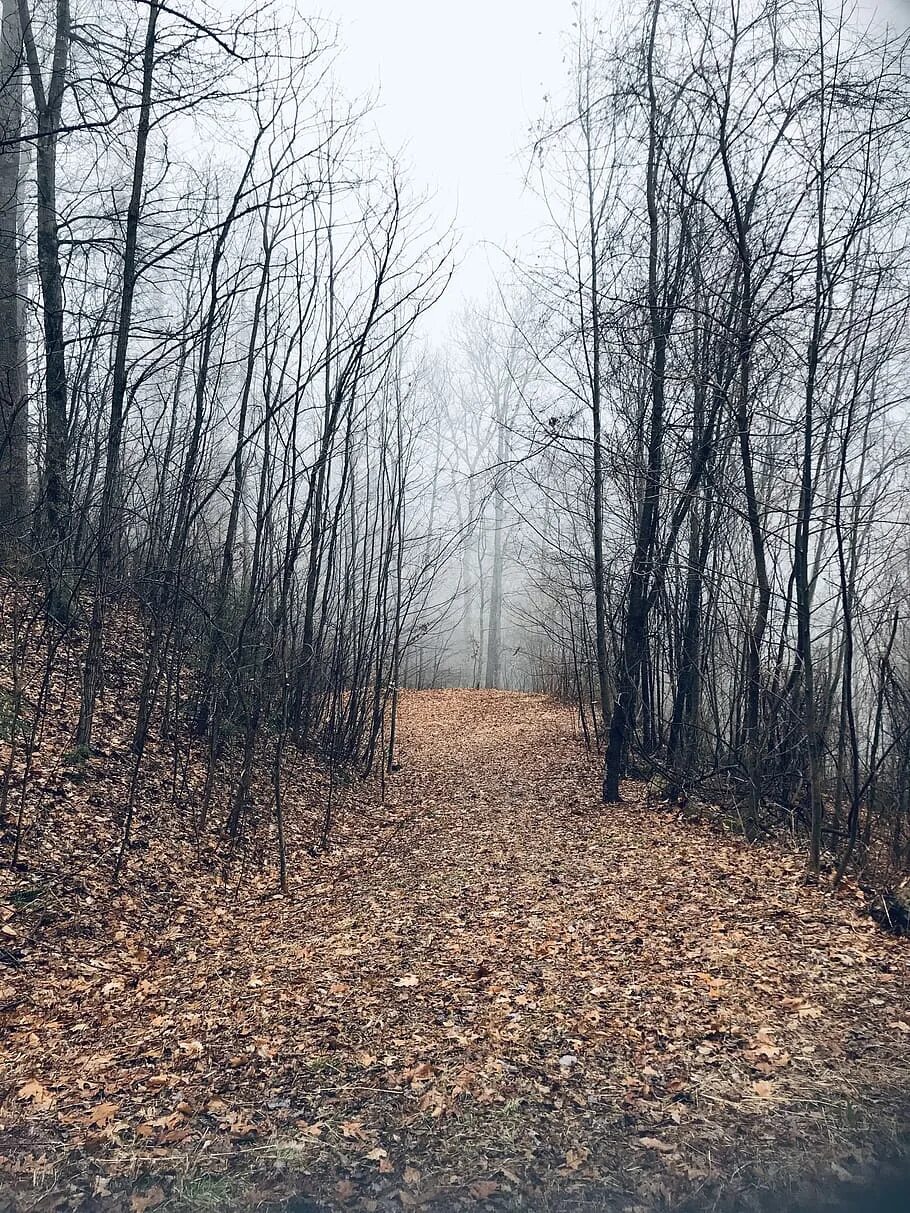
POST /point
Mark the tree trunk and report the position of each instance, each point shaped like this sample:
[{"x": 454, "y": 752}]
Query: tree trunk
[
  {"x": 636, "y": 623},
  {"x": 494, "y": 629},
  {"x": 109, "y": 493},
  {"x": 54, "y": 520},
  {"x": 13, "y": 376}
]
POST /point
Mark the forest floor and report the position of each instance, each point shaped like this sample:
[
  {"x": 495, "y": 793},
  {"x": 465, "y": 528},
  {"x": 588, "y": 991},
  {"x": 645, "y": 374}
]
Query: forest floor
[{"x": 494, "y": 992}]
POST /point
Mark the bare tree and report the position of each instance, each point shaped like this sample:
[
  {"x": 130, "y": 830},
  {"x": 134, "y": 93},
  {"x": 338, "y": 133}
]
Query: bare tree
[{"x": 13, "y": 378}]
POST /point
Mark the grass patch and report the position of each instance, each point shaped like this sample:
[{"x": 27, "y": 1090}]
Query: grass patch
[{"x": 208, "y": 1192}]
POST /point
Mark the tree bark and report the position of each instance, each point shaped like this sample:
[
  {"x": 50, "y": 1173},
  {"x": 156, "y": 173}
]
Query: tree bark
[
  {"x": 635, "y": 633},
  {"x": 494, "y": 628},
  {"x": 13, "y": 371},
  {"x": 93, "y": 657},
  {"x": 48, "y": 109}
]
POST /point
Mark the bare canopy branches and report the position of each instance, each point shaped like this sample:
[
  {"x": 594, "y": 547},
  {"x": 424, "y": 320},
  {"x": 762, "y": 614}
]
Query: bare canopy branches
[{"x": 723, "y": 299}]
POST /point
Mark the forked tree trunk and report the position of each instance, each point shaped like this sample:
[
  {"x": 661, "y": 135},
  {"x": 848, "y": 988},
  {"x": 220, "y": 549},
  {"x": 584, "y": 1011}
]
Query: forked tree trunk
[
  {"x": 110, "y": 490},
  {"x": 635, "y": 631}
]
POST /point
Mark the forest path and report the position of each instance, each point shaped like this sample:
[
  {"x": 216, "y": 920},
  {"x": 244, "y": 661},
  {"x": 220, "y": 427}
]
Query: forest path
[
  {"x": 622, "y": 935},
  {"x": 626, "y": 977},
  {"x": 495, "y": 986}
]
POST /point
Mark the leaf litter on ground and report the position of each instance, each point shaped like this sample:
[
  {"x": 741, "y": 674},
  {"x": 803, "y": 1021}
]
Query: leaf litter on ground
[{"x": 492, "y": 990}]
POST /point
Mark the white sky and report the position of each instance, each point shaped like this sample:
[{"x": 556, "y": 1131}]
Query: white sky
[{"x": 460, "y": 84}]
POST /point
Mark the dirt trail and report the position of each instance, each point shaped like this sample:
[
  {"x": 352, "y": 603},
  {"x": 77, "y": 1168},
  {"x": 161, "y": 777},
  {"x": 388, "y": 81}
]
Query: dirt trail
[{"x": 497, "y": 987}]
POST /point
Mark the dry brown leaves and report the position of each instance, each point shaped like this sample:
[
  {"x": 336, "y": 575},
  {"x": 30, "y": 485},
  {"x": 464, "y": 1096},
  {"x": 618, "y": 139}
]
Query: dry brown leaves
[{"x": 496, "y": 985}]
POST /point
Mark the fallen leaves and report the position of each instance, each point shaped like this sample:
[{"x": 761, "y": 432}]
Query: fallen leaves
[
  {"x": 142, "y": 1202},
  {"x": 763, "y": 1055},
  {"x": 655, "y": 1143},
  {"x": 575, "y": 1158},
  {"x": 353, "y": 1130},
  {"x": 101, "y": 1115},
  {"x": 483, "y": 1189},
  {"x": 35, "y": 1093},
  {"x": 764, "y": 1089},
  {"x": 492, "y": 967},
  {"x": 381, "y": 1156}
]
